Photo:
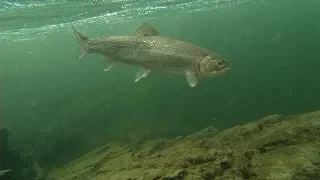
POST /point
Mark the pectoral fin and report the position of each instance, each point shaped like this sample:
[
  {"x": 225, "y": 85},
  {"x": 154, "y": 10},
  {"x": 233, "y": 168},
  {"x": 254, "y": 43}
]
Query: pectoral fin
[
  {"x": 142, "y": 73},
  {"x": 146, "y": 30},
  {"x": 107, "y": 64},
  {"x": 191, "y": 78}
]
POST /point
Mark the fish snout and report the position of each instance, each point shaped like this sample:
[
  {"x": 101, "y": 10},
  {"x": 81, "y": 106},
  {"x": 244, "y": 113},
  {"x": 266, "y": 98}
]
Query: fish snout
[{"x": 214, "y": 66}]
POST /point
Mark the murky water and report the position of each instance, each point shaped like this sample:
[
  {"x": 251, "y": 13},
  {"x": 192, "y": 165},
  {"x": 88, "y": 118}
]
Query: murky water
[{"x": 51, "y": 105}]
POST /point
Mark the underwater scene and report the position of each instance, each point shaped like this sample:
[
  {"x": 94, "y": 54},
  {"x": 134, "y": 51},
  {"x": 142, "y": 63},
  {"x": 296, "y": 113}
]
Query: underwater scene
[{"x": 159, "y": 90}]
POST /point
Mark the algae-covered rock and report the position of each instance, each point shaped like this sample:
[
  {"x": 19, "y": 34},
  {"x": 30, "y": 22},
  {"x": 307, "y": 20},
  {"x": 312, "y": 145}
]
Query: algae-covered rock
[{"x": 274, "y": 148}]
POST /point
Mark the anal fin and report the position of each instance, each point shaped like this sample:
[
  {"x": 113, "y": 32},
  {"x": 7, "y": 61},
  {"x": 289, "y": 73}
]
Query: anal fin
[
  {"x": 191, "y": 78},
  {"x": 142, "y": 73},
  {"x": 107, "y": 64}
]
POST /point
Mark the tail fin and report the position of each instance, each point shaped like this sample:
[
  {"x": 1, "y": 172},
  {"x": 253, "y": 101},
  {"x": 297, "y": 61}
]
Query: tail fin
[{"x": 81, "y": 39}]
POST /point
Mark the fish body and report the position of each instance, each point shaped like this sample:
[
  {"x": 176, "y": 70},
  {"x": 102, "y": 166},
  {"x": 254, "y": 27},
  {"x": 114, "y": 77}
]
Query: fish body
[{"x": 149, "y": 51}]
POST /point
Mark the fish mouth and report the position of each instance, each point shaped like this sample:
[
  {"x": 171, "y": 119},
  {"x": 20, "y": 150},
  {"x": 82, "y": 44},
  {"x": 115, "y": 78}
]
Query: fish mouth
[{"x": 225, "y": 66}]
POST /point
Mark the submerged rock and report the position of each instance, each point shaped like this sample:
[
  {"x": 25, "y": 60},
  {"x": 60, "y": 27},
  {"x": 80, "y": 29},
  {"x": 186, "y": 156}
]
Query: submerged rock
[
  {"x": 4, "y": 149},
  {"x": 6, "y": 174},
  {"x": 10, "y": 159},
  {"x": 276, "y": 147}
]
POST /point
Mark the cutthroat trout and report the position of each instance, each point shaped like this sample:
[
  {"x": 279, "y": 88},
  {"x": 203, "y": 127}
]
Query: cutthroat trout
[{"x": 150, "y": 51}]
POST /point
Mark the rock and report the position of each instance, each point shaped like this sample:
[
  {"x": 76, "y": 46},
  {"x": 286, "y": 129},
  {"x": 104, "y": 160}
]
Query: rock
[
  {"x": 103, "y": 149},
  {"x": 10, "y": 158},
  {"x": 3, "y": 140},
  {"x": 276, "y": 147},
  {"x": 4, "y": 132},
  {"x": 178, "y": 175},
  {"x": 315, "y": 160},
  {"x": 6, "y": 174},
  {"x": 206, "y": 133},
  {"x": 225, "y": 163},
  {"x": 158, "y": 146},
  {"x": 4, "y": 149},
  {"x": 307, "y": 173}
]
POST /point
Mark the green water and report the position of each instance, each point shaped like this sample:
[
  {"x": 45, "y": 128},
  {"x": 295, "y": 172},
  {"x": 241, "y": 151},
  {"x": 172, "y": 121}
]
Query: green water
[{"x": 55, "y": 110}]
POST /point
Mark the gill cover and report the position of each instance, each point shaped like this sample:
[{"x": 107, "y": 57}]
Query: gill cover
[
  {"x": 212, "y": 66},
  {"x": 208, "y": 66}
]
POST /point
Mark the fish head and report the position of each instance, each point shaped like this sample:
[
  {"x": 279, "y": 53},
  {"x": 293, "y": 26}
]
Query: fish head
[{"x": 213, "y": 65}]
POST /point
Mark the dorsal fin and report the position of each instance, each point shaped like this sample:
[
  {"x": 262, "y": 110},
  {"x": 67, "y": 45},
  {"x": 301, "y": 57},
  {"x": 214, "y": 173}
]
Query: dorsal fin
[
  {"x": 146, "y": 30},
  {"x": 81, "y": 38}
]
